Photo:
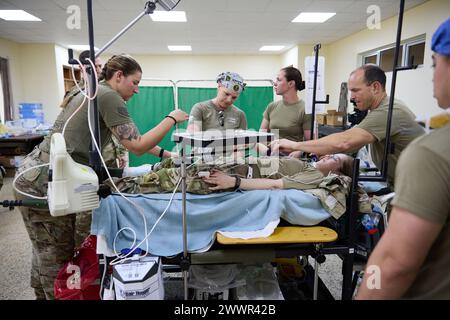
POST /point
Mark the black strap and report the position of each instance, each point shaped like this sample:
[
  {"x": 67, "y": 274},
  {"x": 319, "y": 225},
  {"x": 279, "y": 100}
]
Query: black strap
[
  {"x": 161, "y": 154},
  {"x": 174, "y": 120},
  {"x": 237, "y": 184}
]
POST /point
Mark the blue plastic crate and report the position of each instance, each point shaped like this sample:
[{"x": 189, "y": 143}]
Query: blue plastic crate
[{"x": 31, "y": 111}]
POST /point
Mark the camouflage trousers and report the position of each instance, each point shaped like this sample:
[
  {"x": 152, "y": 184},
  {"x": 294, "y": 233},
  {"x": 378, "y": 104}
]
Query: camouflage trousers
[
  {"x": 53, "y": 239},
  {"x": 165, "y": 178}
]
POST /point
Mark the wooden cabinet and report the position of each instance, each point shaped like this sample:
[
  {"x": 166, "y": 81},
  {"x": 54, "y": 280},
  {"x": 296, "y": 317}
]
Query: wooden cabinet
[
  {"x": 14, "y": 149},
  {"x": 68, "y": 79}
]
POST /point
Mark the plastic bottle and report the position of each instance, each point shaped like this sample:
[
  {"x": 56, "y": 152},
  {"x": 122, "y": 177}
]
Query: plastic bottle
[
  {"x": 135, "y": 255},
  {"x": 370, "y": 222}
]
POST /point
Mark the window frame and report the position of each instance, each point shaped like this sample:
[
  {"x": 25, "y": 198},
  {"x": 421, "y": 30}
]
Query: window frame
[
  {"x": 413, "y": 43},
  {"x": 405, "y": 52}
]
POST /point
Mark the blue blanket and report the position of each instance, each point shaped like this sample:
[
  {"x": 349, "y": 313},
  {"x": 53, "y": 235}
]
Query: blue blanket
[{"x": 206, "y": 214}]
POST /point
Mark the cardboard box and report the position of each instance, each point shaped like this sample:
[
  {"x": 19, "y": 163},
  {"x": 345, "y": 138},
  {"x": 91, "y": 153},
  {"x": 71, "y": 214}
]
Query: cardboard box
[
  {"x": 321, "y": 119},
  {"x": 11, "y": 161},
  {"x": 10, "y": 172},
  {"x": 335, "y": 118},
  {"x": 7, "y": 161}
]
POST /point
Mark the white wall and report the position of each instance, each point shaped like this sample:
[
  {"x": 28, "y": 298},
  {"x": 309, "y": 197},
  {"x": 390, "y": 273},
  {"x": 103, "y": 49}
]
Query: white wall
[
  {"x": 61, "y": 59},
  {"x": 39, "y": 78},
  {"x": 414, "y": 87},
  {"x": 197, "y": 67},
  {"x": 290, "y": 57}
]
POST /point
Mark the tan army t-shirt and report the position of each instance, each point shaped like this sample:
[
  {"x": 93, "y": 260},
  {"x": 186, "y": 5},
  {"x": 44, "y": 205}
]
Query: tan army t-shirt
[
  {"x": 404, "y": 129},
  {"x": 423, "y": 188},
  {"x": 289, "y": 119},
  {"x": 112, "y": 110},
  {"x": 295, "y": 173},
  {"x": 206, "y": 116}
]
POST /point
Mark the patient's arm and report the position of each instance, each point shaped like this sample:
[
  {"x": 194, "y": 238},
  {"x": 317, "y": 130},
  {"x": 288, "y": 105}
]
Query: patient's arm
[
  {"x": 261, "y": 184},
  {"x": 223, "y": 181}
]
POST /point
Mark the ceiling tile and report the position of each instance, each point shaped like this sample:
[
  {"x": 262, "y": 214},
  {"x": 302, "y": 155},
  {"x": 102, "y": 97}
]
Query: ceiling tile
[{"x": 213, "y": 27}]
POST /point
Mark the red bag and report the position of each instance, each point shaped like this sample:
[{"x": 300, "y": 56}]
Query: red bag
[{"x": 77, "y": 278}]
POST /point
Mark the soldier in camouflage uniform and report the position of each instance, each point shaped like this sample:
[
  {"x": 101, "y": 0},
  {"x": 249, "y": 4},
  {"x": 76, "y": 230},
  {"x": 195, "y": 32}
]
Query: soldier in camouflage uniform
[
  {"x": 325, "y": 180},
  {"x": 54, "y": 238}
]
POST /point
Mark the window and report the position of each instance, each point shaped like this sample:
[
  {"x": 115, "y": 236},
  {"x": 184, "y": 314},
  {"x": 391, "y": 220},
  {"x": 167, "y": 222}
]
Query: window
[
  {"x": 411, "y": 53},
  {"x": 6, "y": 112},
  {"x": 371, "y": 59},
  {"x": 387, "y": 59},
  {"x": 415, "y": 53}
]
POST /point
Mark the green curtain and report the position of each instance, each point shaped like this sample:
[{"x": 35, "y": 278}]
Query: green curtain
[
  {"x": 147, "y": 110},
  {"x": 153, "y": 103}
]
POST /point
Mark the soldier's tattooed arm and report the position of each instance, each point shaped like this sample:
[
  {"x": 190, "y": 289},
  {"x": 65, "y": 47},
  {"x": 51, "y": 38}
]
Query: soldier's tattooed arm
[
  {"x": 129, "y": 136},
  {"x": 127, "y": 131}
]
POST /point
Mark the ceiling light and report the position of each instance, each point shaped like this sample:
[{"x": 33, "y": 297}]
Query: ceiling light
[
  {"x": 17, "y": 15},
  {"x": 271, "y": 48},
  {"x": 180, "y": 48},
  {"x": 169, "y": 16},
  {"x": 313, "y": 17},
  {"x": 80, "y": 47}
]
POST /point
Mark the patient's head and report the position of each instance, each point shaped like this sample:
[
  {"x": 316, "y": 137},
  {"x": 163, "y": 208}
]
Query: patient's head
[{"x": 335, "y": 163}]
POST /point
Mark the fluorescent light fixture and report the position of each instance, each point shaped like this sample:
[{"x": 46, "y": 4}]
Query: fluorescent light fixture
[
  {"x": 271, "y": 48},
  {"x": 180, "y": 48},
  {"x": 80, "y": 47},
  {"x": 313, "y": 17},
  {"x": 17, "y": 15},
  {"x": 169, "y": 16}
]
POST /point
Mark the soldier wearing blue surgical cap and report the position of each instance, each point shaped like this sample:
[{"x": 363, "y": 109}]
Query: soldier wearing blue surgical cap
[
  {"x": 413, "y": 255},
  {"x": 220, "y": 113}
]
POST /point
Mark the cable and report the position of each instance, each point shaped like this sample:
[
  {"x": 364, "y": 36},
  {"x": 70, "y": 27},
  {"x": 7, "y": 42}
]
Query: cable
[
  {"x": 83, "y": 69},
  {"x": 20, "y": 174},
  {"x": 84, "y": 91},
  {"x": 125, "y": 258},
  {"x": 115, "y": 239},
  {"x": 103, "y": 276},
  {"x": 107, "y": 171},
  {"x": 72, "y": 115}
]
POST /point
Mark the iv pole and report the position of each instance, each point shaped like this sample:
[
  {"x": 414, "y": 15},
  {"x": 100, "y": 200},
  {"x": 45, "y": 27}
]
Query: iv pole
[
  {"x": 94, "y": 158},
  {"x": 314, "y": 101},
  {"x": 388, "y": 147}
]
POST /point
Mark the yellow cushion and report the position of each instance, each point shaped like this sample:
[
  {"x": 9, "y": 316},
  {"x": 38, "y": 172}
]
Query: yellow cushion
[{"x": 287, "y": 235}]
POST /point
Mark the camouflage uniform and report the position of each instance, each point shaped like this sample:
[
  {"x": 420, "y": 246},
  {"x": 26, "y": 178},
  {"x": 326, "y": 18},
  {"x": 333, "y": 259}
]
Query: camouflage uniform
[
  {"x": 115, "y": 154},
  {"x": 54, "y": 239},
  {"x": 331, "y": 190}
]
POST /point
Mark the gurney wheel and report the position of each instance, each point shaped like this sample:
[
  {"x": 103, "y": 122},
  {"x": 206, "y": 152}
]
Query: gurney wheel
[{"x": 320, "y": 258}]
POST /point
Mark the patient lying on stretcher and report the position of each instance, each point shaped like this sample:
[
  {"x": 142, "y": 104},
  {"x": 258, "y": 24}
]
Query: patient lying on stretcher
[{"x": 325, "y": 178}]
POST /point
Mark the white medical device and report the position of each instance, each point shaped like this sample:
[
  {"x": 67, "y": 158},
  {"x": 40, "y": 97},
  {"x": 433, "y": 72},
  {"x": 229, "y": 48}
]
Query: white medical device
[
  {"x": 72, "y": 187},
  {"x": 139, "y": 279}
]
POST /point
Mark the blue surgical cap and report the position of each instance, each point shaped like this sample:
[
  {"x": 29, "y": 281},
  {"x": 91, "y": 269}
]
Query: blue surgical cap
[{"x": 440, "y": 43}]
